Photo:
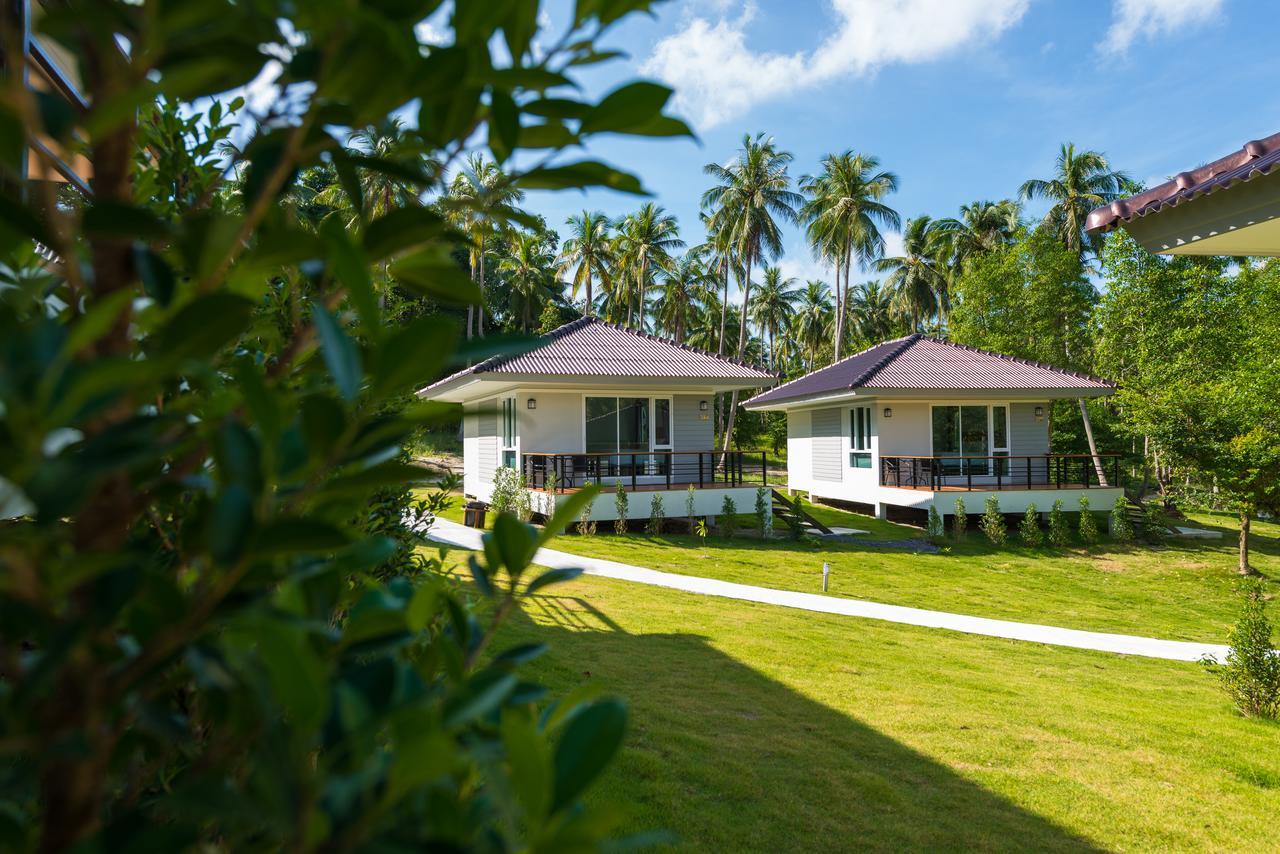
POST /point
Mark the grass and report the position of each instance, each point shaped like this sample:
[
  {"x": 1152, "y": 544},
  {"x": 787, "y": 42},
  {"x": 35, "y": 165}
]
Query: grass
[
  {"x": 1184, "y": 590},
  {"x": 766, "y": 729}
]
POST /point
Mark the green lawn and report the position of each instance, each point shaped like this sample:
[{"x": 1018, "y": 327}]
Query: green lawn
[
  {"x": 756, "y": 728},
  {"x": 1185, "y": 590}
]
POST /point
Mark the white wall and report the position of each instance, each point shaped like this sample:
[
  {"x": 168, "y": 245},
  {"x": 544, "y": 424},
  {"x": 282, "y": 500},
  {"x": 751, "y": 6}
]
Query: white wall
[
  {"x": 555, "y": 427},
  {"x": 707, "y": 502}
]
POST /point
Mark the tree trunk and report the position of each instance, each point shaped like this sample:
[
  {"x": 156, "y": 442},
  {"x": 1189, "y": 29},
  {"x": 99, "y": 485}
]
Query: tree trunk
[
  {"x": 589, "y": 309},
  {"x": 724, "y": 308},
  {"x": 839, "y": 315},
  {"x": 480, "y": 285},
  {"x": 1244, "y": 567},
  {"x": 742, "y": 343},
  {"x": 1093, "y": 448}
]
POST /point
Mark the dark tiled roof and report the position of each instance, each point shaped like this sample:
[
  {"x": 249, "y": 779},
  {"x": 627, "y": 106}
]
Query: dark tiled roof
[
  {"x": 1257, "y": 157},
  {"x": 919, "y": 362},
  {"x": 589, "y": 347}
]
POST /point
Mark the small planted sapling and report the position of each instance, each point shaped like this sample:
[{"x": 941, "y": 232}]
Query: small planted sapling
[{"x": 1029, "y": 529}]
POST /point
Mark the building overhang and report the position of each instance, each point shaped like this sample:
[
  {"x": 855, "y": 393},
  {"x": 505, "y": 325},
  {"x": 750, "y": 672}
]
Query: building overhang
[
  {"x": 928, "y": 396},
  {"x": 1243, "y": 219},
  {"x": 473, "y": 387}
]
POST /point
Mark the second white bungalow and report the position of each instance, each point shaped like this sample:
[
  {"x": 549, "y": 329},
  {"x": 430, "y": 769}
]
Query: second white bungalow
[{"x": 917, "y": 422}]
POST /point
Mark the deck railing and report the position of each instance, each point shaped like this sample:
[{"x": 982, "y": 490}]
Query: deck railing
[
  {"x": 642, "y": 470},
  {"x": 985, "y": 473}
]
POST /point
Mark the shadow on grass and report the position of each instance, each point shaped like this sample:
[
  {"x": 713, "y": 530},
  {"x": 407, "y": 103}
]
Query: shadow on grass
[{"x": 729, "y": 759}]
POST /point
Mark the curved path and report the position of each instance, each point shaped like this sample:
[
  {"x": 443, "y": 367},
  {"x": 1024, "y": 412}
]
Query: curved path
[{"x": 453, "y": 534}]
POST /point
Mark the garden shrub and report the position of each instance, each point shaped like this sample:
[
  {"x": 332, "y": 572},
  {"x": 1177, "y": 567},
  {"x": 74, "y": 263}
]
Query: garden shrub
[
  {"x": 764, "y": 519},
  {"x": 689, "y": 498},
  {"x": 1120, "y": 526},
  {"x": 587, "y": 525},
  {"x": 993, "y": 523},
  {"x": 657, "y": 515},
  {"x": 1251, "y": 673},
  {"x": 620, "y": 504},
  {"x": 1088, "y": 523},
  {"x": 198, "y": 649},
  {"x": 1059, "y": 530},
  {"x": 960, "y": 523},
  {"x": 936, "y": 529},
  {"x": 795, "y": 521},
  {"x": 1029, "y": 529},
  {"x": 510, "y": 494},
  {"x": 1155, "y": 528},
  {"x": 728, "y": 512}
]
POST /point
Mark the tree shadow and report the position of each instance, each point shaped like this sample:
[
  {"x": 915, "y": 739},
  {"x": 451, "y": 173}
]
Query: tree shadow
[{"x": 729, "y": 759}]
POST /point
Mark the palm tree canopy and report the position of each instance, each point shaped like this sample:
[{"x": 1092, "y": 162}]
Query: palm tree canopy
[
  {"x": 919, "y": 276},
  {"x": 587, "y": 255},
  {"x": 1082, "y": 181},
  {"x": 844, "y": 213},
  {"x": 751, "y": 194}
]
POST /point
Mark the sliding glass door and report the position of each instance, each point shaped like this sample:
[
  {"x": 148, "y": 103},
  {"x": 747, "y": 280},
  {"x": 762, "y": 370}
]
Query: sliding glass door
[
  {"x": 962, "y": 435},
  {"x": 627, "y": 426}
]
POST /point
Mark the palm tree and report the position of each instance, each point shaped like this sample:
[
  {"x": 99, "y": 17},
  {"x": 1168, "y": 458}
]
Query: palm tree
[
  {"x": 646, "y": 239},
  {"x": 481, "y": 201},
  {"x": 750, "y": 192},
  {"x": 871, "y": 313},
  {"x": 919, "y": 276},
  {"x": 812, "y": 319},
  {"x": 773, "y": 306},
  {"x": 1081, "y": 181},
  {"x": 703, "y": 330},
  {"x": 380, "y": 191},
  {"x": 844, "y": 214},
  {"x": 685, "y": 285},
  {"x": 529, "y": 269},
  {"x": 987, "y": 225},
  {"x": 587, "y": 256}
]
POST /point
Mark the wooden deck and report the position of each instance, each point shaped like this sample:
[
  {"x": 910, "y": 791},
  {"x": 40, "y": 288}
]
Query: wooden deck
[{"x": 1002, "y": 487}]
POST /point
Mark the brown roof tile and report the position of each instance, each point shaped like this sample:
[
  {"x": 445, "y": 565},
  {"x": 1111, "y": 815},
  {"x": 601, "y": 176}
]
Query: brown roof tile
[
  {"x": 919, "y": 362},
  {"x": 1257, "y": 157},
  {"x": 589, "y": 347}
]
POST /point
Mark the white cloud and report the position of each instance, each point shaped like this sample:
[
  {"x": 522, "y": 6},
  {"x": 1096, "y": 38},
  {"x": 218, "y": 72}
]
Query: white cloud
[
  {"x": 1133, "y": 19},
  {"x": 717, "y": 76}
]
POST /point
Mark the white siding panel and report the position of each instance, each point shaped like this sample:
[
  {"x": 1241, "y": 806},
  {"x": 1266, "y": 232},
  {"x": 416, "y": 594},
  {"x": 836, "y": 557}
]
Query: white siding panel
[
  {"x": 828, "y": 442},
  {"x": 689, "y": 431}
]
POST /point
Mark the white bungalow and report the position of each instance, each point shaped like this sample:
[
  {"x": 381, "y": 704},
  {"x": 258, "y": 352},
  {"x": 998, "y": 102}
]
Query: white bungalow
[
  {"x": 918, "y": 422},
  {"x": 597, "y": 403}
]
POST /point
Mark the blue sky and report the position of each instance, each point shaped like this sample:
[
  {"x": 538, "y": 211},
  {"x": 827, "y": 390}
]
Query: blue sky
[{"x": 964, "y": 99}]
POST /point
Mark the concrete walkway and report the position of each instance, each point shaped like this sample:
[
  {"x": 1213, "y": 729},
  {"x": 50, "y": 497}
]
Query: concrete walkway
[{"x": 453, "y": 534}]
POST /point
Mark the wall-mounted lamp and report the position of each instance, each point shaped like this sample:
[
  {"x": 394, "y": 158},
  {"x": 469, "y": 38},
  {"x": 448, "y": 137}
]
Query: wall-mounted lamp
[
  {"x": 888, "y": 412},
  {"x": 1039, "y": 413},
  {"x": 703, "y": 406},
  {"x": 533, "y": 403}
]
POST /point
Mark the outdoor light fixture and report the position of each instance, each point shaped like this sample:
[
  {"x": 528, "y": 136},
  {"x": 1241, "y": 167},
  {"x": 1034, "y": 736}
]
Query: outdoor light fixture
[
  {"x": 533, "y": 403},
  {"x": 888, "y": 412},
  {"x": 1039, "y": 413},
  {"x": 703, "y": 406}
]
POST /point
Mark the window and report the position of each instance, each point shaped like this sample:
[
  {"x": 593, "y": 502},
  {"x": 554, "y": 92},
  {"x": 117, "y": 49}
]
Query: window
[
  {"x": 662, "y": 423},
  {"x": 860, "y": 437},
  {"x": 509, "y": 450},
  {"x": 1000, "y": 437}
]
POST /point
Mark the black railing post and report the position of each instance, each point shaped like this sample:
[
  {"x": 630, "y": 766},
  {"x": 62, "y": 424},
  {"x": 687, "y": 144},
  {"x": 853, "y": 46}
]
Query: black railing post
[
  {"x": 670, "y": 459},
  {"x": 999, "y": 474},
  {"x": 968, "y": 474},
  {"x": 1028, "y": 459},
  {"x": 700, "y": 484},
  {"x": 633, "y": 472},
  {"x": 764, "y": 468}
]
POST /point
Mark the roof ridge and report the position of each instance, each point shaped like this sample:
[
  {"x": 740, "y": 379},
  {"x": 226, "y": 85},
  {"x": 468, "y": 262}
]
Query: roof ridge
[
  {"x": 639, "y": 333},
  {"x": 781, "y": 386},
  {"x": 904, "y": 344},
  {"x": 1042, "y": 365}
]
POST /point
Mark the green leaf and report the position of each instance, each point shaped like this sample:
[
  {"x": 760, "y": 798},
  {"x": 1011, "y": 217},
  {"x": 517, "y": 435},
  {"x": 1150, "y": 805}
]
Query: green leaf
[
  {"x": 22, "y": 220},
  {"x": 391, "y": 473},
  {"x": 626, "y": 107},
  {"x": 230, "y": 524},
  {"x": 204, "y": 326},
  {"x": 100, "y": 317},
  {"x": 581, "y": 174},
  {"x": 483, "y": 694},
  {"x": 341, "y": 355},
  {"x": 557, "y": 108},
  {"x": 567, "y": 512},
  {"x": 589, "y": 742},
  {"x": 529, "y": 761},
  {"x": 413, "y": 355},
  {"x": 552, "y": 576},
  {"x": 514, "y": 542},
  {"x": 56, "y": 114},
  {"x": 401, "y": 229},
  {"x": 112, "y": 219},
  {"x": 157, "y": 276},
  {"x": 428, "y": 276},
  {"x": 350, "y": 180},
  {"x": 504, "y": 125},
  {"x": 297, "y": 536},
  {"x": 522, "y": 654},
  {"x": 299, "y": 678},
  {"x": 351, "y": 268}
]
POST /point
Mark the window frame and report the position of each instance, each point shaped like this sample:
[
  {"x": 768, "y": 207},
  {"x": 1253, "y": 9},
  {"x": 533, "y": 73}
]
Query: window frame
[
  {"x": 860, "y": 433},
  {"x": 509, "y": 441}
]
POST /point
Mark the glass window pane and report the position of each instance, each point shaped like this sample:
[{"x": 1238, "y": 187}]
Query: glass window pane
[
  {"x": 602, "y": 424},
  {"x": 973, "y": 436},
  {"x": 633, "y": 424},
  {"x": 508, "y": 422},
  {"x": 999, "y": 427},
  {"x": 946, "y": 430},
  {"x": 662, "y": 422}
]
